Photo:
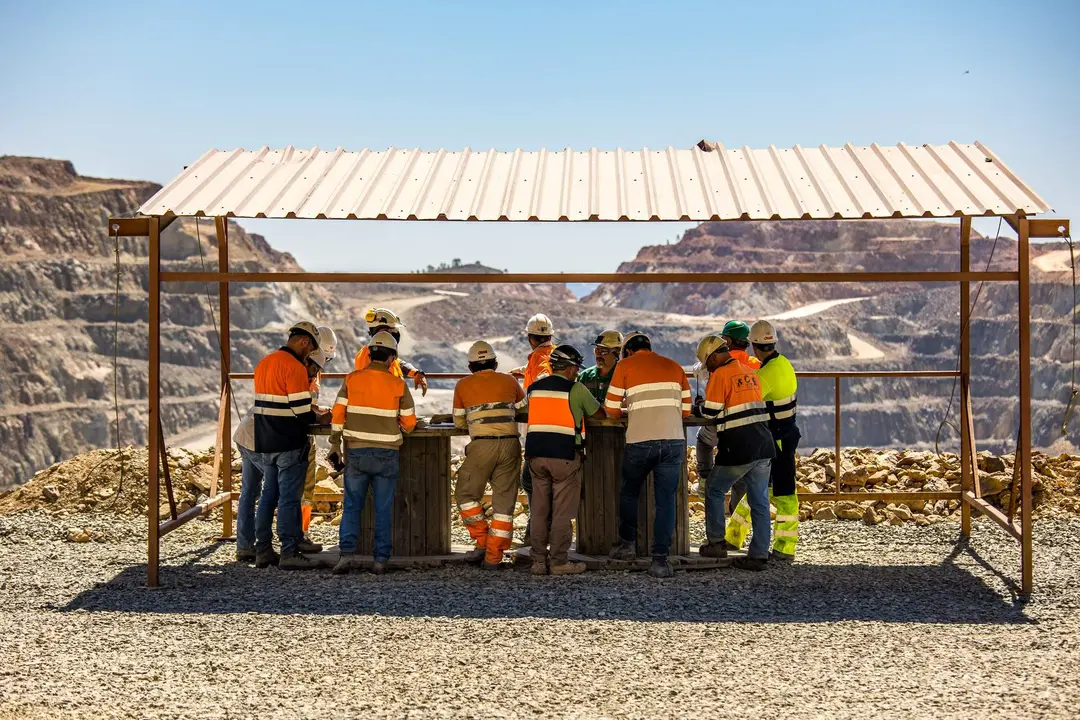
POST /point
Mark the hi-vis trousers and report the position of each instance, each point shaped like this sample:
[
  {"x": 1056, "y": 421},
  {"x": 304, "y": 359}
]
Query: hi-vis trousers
[{"x": 494, "y": 461}]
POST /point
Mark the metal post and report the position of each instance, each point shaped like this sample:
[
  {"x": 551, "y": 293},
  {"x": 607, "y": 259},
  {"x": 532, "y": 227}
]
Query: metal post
[
  {"x": 153, "y": 392},
  {"x": 836, "y": 412},
  {"x": 221, "y": 225},
  {"x": 965, "y": 372},
  {"x": 1024, "y": 451}
]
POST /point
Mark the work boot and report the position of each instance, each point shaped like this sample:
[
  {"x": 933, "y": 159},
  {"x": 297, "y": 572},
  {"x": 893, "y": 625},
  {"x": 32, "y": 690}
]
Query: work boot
[
  {"x": 266, "y": 558},
  {"x": 713, "y": 550},
  {"x": 749, "y": 563},
  {"x": 492, "y": 567},
  {"x": 539, "y": 567},
  {"x": 308, "y": 546},
  {"x": 296, "y": 561},
  {"x": 475, "y": 556},
  {"x": 732, "y": 546},
  {"x": 623, "y": 551},
  {"x": 379, "y": 567},
  {"x": 661, "y": 568},
  {"x": 245, "y": 556},
  {"x": 345, "y": 563},
  {"x": 568, "y": 568},
  {"x": 781, "y": 557}
]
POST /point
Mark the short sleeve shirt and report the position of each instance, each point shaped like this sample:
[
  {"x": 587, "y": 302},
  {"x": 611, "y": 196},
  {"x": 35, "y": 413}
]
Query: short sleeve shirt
[{"x": 582, "y": 405}]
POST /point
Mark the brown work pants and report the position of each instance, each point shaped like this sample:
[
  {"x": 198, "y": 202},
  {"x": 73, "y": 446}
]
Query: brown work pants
[
  {"x": 495, "y": 461},
  {"x": 556, "y": 491}
]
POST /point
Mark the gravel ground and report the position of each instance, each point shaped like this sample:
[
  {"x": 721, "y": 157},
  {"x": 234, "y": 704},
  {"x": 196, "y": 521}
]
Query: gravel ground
[{"x": 871, "y": 621}]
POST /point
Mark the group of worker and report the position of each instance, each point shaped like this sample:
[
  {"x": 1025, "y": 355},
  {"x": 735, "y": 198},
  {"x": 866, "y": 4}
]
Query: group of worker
[{"x": 748, "y": 447}]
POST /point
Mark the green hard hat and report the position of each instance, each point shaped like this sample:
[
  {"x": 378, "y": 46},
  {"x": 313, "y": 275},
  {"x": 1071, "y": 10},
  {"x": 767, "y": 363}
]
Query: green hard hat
[{"x": 736, "y": 330}]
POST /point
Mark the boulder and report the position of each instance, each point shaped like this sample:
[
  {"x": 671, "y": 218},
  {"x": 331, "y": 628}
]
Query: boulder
[
  {"x": 50, "y": 494},
  {"x": 990, "y": 463},
  {"x": 846, "y": 510},
  {"x": 825, "y": 513},
  {"x": 871, "y": 517}
]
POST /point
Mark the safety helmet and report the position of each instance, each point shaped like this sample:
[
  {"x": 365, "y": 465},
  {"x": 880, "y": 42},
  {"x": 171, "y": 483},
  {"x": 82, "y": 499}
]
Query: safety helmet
[
  {"x": 327, "y": 342},
  {"x": 305, "y": 328},
  {"x": 763, "y": 333},
  {"x": 709, "y": 345},
  {"x": 611, "y": 339},
  {"x": 381, "y": 317},
  {"x": 319, "y": 358},
  {"x": 632, "y": 335},
  {"x": 481, "y": 352},
  {"x": 566, "y": 355},
  {"x": 383, "y": 339},
  {"x": 539, "y": 325},
  {"x": 736, "y": 330}
]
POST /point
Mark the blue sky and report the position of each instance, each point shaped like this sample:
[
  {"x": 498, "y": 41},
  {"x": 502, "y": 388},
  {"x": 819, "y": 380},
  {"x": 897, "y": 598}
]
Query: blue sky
[{"x": 139, "y": 89}]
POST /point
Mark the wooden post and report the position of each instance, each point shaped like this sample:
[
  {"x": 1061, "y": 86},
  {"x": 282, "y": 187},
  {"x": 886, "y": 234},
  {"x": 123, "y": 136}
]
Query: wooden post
[
  {"x": 966, "y": 449},
  {"x": 836, "y": 411},
  {"x": 1024, "y": 451},
  {"x": 221, "y": 225},
  {"x": 153, "y": 392}
]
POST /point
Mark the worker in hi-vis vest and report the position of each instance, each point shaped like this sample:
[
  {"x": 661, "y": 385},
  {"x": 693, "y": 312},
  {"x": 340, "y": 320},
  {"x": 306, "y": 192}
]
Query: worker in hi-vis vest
[{"x": 779, "y": 388}]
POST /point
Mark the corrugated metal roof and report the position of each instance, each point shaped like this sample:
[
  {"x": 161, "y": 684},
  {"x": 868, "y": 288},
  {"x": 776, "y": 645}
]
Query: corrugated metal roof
[{"x": 706, "y": 182}]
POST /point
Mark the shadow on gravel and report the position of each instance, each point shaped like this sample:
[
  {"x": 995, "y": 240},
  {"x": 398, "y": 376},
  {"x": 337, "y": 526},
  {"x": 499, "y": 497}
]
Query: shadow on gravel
[{"x": 944, "y": 593}]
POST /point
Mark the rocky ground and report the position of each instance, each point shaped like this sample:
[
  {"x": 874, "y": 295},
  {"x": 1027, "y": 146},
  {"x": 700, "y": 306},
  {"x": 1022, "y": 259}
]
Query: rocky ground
[{"x": 872, "y": 621}]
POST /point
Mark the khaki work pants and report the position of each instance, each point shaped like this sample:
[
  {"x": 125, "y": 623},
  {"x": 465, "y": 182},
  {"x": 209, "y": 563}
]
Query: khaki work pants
[
  {"x": 556, "y": 492},
  {"x": 494, "y": 461}
]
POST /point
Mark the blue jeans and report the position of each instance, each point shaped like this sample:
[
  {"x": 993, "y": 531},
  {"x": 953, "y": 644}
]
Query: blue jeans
[
  {"x": 663, "y": 458},
  {"x": 756, "y": 477},
  {"x": 376, "y": 468},
  {"x": 282, "y": 475},
  {"x": 250, "y": 487}
]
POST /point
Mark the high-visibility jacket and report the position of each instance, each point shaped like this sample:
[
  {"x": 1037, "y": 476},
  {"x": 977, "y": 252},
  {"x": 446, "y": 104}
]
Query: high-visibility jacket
[
  {"x": 398, "y": 368},
  {"x": 779, "y": 388},
  {"x": 486, "y": 403},
  {"x": 657, "y": 397},
  {"x": 539, "y": 365},
  {"x": 283, "y": 409},
  {"x": 745, "y": 358},
  {"x": 733, "y": 398},
  {"x": 552, "y": 428},
  {"x": 372, "y": 408}
]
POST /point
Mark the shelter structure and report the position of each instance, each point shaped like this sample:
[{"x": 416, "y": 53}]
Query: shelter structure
[{"x": 708, "y": 182}]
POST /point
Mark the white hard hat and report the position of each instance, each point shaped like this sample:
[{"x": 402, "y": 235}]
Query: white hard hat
[
  {"x": 609, "y": 339},
  {"x": 539, "y": 325},
  {"x": 306, "y": 328},
  {"x": 481, "y": 352},
  {"x": 630, "y": 336},
  {"x": 327, "y": 342},
  {"x": 383, "y": 339},
  {"x": 762, "y": 333},
  {"x": 708, "y": 345},
  {"x": 378, "y": 317},
  {"x": 319, "y": 358}
]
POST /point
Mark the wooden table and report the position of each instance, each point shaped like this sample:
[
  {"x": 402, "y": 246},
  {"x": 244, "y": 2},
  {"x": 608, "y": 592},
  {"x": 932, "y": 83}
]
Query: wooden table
[
  {"x": 598, "y": 514},
  {"x": 421, "y": 519}
]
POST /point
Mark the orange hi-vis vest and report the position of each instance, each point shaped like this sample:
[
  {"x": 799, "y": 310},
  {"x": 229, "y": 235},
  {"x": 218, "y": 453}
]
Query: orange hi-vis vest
[
  {"x": 486, "y": 403},
  {"x": 283, "y": 409},
  {"x": 733, "y": 397},
  {"x": 552, "y": 429},
  {"x": 398, "y": 368},
  {"x": 372, "y": 408},
  {"x": 539, "y": 364},
  {"x": 657, "y": 397},
  {"x": 745, "y": 358}
]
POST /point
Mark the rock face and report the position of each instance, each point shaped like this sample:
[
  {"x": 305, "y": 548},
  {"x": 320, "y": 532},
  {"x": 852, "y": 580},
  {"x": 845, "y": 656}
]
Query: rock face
[
  {"x": 863, "y": 326},
  {"x": 58, "y": 281}
]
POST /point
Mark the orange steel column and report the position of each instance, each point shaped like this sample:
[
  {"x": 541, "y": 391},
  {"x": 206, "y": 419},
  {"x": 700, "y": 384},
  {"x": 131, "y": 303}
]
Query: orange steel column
[
  {"x": 965, "y": 371},
  {"x": 221, "y": 225},
  {"x": 153, "y": 392},
  {"x": 1026, "y": 559},
  {"x": 836, "y": 418}
]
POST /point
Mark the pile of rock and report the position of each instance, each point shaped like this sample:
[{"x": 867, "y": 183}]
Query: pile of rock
[{"x": 1055, "y": 484}]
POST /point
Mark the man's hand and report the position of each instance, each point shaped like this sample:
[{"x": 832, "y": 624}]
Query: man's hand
[
  {"x": 518, "y": 372},
  {"x": 334, "y": 458},
  {"x": 420, "y": 383},
  {"x": 322, "y": 416}
]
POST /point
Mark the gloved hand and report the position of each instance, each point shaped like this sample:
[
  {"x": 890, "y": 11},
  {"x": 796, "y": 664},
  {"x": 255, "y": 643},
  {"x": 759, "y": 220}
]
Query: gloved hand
[
  {"x": 420, "y": 383},
  {"x": 334, "y": 458}
]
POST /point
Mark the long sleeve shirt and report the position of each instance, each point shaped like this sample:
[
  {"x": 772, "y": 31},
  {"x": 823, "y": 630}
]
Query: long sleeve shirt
[{"x": 372, "y": 409}]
